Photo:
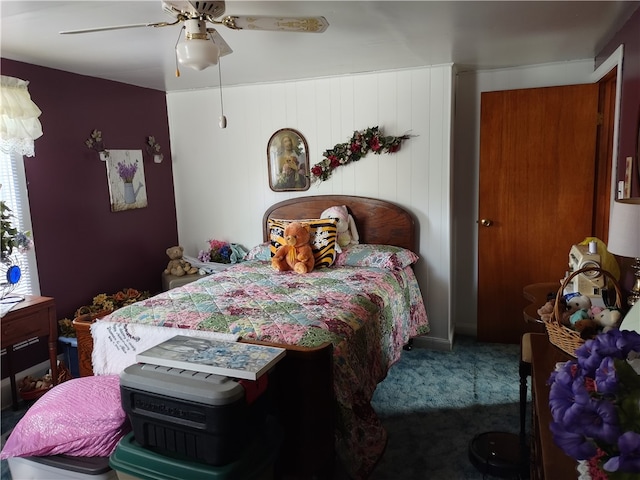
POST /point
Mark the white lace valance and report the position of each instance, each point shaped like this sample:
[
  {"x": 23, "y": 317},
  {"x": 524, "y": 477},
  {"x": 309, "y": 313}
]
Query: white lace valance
[{"x": 19, "y": 124}]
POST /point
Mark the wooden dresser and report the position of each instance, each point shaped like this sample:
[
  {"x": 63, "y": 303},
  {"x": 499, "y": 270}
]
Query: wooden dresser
[
  {"x": 33, "y": 317},
  {"x": 548, "y": 461}
]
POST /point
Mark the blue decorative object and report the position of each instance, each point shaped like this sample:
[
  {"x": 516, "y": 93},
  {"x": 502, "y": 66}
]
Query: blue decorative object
[{"x": 13, "y": 274}]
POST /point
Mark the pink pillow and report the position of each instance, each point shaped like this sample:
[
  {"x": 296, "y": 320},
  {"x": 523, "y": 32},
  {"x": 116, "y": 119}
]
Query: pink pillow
[{"x": 81, "y": 417}]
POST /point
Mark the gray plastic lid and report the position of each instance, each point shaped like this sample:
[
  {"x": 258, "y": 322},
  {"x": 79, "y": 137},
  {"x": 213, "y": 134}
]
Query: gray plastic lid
[{"x": 200, "y": 387}]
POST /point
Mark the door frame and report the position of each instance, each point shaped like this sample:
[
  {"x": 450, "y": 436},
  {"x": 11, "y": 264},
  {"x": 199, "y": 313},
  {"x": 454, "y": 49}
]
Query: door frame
[{"x": 613, "y": 61}]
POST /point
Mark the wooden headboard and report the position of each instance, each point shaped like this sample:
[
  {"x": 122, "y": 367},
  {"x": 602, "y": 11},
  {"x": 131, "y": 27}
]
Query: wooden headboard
[{"x": 378, "y": 221}]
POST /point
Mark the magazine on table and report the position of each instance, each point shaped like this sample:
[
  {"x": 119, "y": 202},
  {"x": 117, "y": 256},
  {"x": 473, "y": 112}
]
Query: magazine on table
[{"x": 219, "y": 357}]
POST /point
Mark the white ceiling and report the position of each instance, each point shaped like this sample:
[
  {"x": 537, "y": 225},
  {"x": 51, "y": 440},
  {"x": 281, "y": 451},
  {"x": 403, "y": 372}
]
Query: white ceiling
[{"x": 362, "y": 37}]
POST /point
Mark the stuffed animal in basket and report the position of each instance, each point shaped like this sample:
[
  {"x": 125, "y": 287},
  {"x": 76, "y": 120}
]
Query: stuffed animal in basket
[
  {"x": 177, "y": 265},
  {"x": 582, "y": 314},
  {"x": 546, "y": 311},
  {"x": 577, "y": 301},
  {"x": 296, "y": 254},
  {"x": 607, "y": 318},
  {"x": 576, "y": 307},
  {"x": 346, "y": 226},
  {"x": 595, "y": 320},
  {"x": 587, "y": 328}
]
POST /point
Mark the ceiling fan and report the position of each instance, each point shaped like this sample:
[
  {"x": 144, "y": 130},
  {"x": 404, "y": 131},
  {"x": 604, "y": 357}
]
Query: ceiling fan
[{"x": 203, "y": 45}]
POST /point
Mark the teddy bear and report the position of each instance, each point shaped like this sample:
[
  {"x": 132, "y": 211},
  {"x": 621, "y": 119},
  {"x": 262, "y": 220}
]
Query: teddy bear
[
  {"x": 177, "y": 265},
  {"x": 595, "y": 320},
  {"x": 594, "y": 310},
  {"x": 575, "y": 303},
  {"x": 346, "y": 226},
  {"x": 607, "y": 318},
  {"x": 296, "y": 254},
  {"x": 546, "y": 311},
  {"x": 587, "y": 328},
  {"x": 582, "y": 314}
]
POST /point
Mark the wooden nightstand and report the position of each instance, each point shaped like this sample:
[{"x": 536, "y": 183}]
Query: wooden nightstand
[{"x": 33, "y": 317}]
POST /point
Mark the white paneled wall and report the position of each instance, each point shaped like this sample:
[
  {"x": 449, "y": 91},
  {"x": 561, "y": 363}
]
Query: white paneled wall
[{"x": 221, "y": 177}]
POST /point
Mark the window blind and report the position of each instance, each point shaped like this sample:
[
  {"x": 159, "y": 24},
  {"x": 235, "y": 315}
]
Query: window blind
[{"x": 15, "y": 195}]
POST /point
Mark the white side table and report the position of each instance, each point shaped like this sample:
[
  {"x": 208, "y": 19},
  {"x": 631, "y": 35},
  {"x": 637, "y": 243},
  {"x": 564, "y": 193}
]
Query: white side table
[{"x": 173, "y": 281}]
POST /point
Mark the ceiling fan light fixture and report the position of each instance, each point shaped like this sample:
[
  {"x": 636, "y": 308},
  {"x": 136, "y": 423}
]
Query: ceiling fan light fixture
[
  {"x": 197, "y": 53},
  {"x": 203, "y": 46}
]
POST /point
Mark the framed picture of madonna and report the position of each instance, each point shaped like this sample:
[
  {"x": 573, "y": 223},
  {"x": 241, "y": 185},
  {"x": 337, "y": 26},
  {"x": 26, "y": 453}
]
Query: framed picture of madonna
[
  {"x": 288, "y": 161},
  {"x": 127, "y": 186}
]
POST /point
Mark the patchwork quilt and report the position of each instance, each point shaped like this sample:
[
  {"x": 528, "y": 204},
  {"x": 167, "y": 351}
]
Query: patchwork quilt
[{"x": 367, "y": 313}]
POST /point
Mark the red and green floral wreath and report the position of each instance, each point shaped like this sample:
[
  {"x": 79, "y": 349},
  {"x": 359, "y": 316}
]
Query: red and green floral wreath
[{"x": 362, "y": 142}]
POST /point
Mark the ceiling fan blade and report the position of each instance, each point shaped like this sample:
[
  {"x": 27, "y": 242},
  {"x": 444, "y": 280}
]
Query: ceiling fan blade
[
  {"x": 278, "y": 24},
  {"x": 117, "y": 27},
  {"x": 225, "y": 49}
]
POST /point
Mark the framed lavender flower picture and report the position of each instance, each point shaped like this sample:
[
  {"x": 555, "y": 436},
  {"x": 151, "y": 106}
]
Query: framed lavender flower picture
[{"x": 127, "y": 186}]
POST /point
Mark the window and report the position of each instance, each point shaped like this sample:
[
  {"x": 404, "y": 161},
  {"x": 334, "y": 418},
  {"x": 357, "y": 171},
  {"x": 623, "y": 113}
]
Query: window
[{"x": 14, "y": 193}]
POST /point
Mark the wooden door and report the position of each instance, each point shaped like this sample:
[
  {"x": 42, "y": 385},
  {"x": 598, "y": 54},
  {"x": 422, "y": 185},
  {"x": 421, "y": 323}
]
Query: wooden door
[{"x": 537, "y": 170}]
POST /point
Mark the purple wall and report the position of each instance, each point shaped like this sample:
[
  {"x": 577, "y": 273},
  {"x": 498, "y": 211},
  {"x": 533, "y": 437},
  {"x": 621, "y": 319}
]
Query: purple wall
[
  {"x": 82, "y": 247},
  {"x": 629, "y": 115},
  {"x": 630, "y": 104}
]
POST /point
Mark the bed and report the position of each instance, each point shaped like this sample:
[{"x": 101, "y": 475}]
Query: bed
[{"x": 335, "y": 357}]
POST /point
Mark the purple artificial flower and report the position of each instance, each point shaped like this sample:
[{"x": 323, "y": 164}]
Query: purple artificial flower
[
  {"x": 218, "y": 252},
  {"x": 629, "y": 458},
  {"x": 225, "y": 253},
  {"x": 561, "y": 394},
  {"x": 600, "y": 421},
  {"x": 606, "y": 378},
  {"x": 580, "y": 412},
  {"x": 204, "y": 256},
  {"x": 612, "y": 344},
  {"x": 595, "y": 403},
  {"x": 628, "y": 341},
  {"x": 575, "y": 445},
  {"x": 22, "y": 242}
]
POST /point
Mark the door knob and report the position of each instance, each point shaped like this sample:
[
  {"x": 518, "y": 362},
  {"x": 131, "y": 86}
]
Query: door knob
[{"x": 486, "y": 222}]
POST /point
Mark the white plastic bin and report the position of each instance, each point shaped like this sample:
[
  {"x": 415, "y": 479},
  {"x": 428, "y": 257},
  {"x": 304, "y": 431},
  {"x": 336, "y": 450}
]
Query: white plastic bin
[{"x": 61, "y": 467}]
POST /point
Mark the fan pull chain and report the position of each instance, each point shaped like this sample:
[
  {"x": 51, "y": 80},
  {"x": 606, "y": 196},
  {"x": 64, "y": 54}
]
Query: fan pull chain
[
  {"x": 223, "y": 120},
  {"x": 175, "y": 52}
]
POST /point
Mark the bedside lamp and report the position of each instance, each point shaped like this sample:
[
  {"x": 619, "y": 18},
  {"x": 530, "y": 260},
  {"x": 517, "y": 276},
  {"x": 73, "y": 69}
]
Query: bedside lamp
[{"x": 624, "y": 237}]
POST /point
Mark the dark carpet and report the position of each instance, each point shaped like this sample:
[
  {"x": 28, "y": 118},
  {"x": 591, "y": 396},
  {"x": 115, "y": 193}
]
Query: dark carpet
[{"x": 432, "y": 404}]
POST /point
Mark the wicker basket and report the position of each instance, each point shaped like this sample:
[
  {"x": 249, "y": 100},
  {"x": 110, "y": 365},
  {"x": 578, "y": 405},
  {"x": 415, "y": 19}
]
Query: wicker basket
[
  {"x": 82, "y": 325},
  {"x": 64, "y": 374},
  {"x": 565, "y": 338}
]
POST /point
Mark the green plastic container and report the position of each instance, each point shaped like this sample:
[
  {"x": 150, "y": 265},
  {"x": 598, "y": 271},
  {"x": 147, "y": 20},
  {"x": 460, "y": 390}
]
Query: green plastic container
[{"x": 131, "y": 461}]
